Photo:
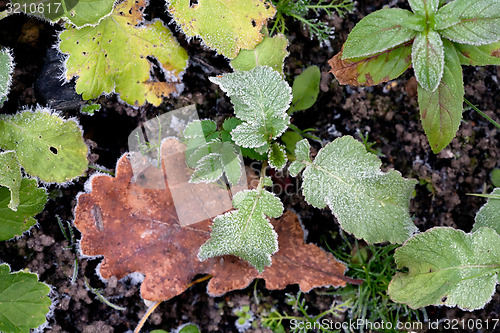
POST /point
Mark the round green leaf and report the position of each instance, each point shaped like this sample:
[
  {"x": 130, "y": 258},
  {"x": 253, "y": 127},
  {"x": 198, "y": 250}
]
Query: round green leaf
[
  {"x": 32, "y": 200},
  {"x": 47, "y": 146},
  {"x": 24, "y": 301},
  {"x": 447, "y": 267}
]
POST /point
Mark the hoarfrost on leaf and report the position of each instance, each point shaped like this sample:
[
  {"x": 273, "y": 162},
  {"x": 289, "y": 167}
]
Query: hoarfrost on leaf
[
  {"x": 260, "y": 97},
  {"x": 246, "y": 232},
  {"x": 424, "y": 7},
  {"x": 277, "y": 156},
  {"x": 428, "y": 59},
  {"x": 6, "y": 69},
  {"x": 368, "y": 203},
  {"x": 447, "y": 267},
  {"x": 481, "y": 55},
  {"x": 470, "y": 22},
  {"x": 489, "y": 214},
  {"x": 119, "y": 53},
  {"x": 10, "y": 176},
  {"x": 224, "y": 25}
]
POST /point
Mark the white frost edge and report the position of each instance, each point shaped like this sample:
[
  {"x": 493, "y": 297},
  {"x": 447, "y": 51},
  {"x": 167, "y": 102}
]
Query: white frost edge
[{"x": 12, "y": 64}]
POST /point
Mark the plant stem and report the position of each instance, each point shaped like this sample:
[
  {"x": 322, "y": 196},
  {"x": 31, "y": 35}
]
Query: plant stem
[
  {"x": 146, "y": 316},
  {"x": 497, "y": 125}
]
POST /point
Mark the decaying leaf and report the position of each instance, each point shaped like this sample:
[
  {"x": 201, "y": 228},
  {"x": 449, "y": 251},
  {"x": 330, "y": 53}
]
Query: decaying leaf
[
  {"x": 224, "y": 25},
  {"x": 119, "y": 53},
  {"x": 139, "y": 231}
]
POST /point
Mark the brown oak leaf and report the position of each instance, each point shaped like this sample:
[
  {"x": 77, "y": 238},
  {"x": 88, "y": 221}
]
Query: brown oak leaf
[{"x": 133, "y": 223}]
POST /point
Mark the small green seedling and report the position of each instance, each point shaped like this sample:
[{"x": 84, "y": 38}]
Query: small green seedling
[
  {"x": 343, "y": 176},
  {"x": 305, "y": 89},
  {"x": 245, "y": 318},
  {"x": 436, "y": 40}
]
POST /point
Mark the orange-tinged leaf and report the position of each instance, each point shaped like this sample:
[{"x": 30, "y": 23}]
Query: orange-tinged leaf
[{"x": 134, "y": 225}]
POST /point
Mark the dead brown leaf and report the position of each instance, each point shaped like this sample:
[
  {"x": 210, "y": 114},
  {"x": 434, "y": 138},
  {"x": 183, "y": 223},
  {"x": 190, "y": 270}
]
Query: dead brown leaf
[{"x": 132, "y": 222}]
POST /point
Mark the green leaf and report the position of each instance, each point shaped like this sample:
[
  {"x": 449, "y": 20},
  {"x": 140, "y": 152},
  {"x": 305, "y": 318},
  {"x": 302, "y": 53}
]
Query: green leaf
[
  {"x": 224, "y": 25},
  {"x": 368, "y": 203},
  {"x": 302, "y": 158},
  {"x": 495, "y": 177},
  {"x": 379, "y": 31},
  {"x": 222, "y": 157},
  {"x": 10, "y": 176},
  {"x": 374, "y": 69},
  {"x": 428, "y": 59},
  {"x": 441, "y": 110},
  {"x": 305, "y": 89},
  {"x": 32, "y": 201},
  {"x": 246, "y": 232},
  {"x": 90, "y": 108},
  {"x": 47, "y": 146},
  {"x": 227, "y": 127},
  {"x": 481, "y": 55},
  {"x": 277, "y": 156},
  {"x": 117, "y": 55},
  {"x": 270, "y": 52},
  {"x": 6, "y": 69},
  {"x": 260, "y": 98},
  {"x": 188, "y": 328},
  {"x": 470, "y": 22},
  {"x": 489, "y": 214},
  {"x": 24, "y": 301},
  {"x": 290, "y": 139},
  {"x": 424, "y": 7},
  {"x": 447, "y": 267},
  {"x": 200, "y": 129},
  {"x": 79, "y": 13}
]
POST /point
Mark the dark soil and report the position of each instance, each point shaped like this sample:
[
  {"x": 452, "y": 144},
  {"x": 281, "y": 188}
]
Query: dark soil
[{"x": 387, "y": 112}]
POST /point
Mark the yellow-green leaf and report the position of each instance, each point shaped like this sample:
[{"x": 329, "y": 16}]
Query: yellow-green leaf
[
  {"x": 119, "y": 53},
  {"x": 224, "y": 25},
  {"x": 270, "y": 52}
]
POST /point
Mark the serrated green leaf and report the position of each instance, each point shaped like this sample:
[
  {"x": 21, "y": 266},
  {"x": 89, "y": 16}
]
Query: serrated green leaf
[
  {"x": 447, "y": 267},
  {"x": 270, "y": 52},
  {"x": 79, "y": 13},
  {"x": 24, "y": 301},
  {"x": 117, "y": 55},
  {"x": 6, "y": 69},
  {"x": 208, "y": 169},
  {"x": 424, "y": 7},
  {"x": 481, "y": 55},
  {"x": 277, "y": 156},
  {"x": 305, "y": 89},
  {"x": 377, "y": 32},
  {"x": 368, "y": 203},
  {"x": 428, "y": 59},
  {"x": 260, "y": 98},
  {"x": 470, "y": 22},
  {"x": 200, "y": 128},
  {"x": 374, "y": 69},
  {"x": 227, "y": 127},
  {"x": 32, "y": 201},
  {"x": 489, "y": 214},
  {"x": 441, "y": 110},
  {"x": 46, "y": 145},
  {"x": 246, "y": 232},
  {"x": 224, "y": 25},
  {"x": 10, "y": 176}
]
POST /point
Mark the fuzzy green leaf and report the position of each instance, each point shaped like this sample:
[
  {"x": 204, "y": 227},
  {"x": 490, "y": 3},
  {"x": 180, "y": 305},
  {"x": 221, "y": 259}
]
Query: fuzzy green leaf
[
  {"x": 200, "y": 129},
  {"x": 374, "y": 69},
  {"x": 302, "y": 149},
  {"x": 377, "y": 32},
  {"x": 260, "y": 98},
  {"x": 10, "y": 176},
  {"x": 441, "y": 110},
  {"x": 227, "y": 127},
  {"x": 428, "y": 59},
  {"x": 116, "y": 55},
  {"x": 6, "y": 69},
  {"x": 481, "y": 55},
  {"x": 489, "y": 214},
  {"x": 447, "y": 267},
  {"x": 495, "y": 177},
  {"x": 424, "y": 7},
  {"x": 32, "y": 201},
  {"x": 305, "y": 89},
  {"x": 470, "y": 22},
  {"x": 270, "y": 52},
  {"x": 246, "y": 232},
  {"x": 224, "y": 25},
  {"x": 368, "y": 203},
  {"x": 277, "y": 156},
  {"x": 79, "y": 13},
  {"x": 24, "y": 301},
  {"x": 47, "y": 146}
]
